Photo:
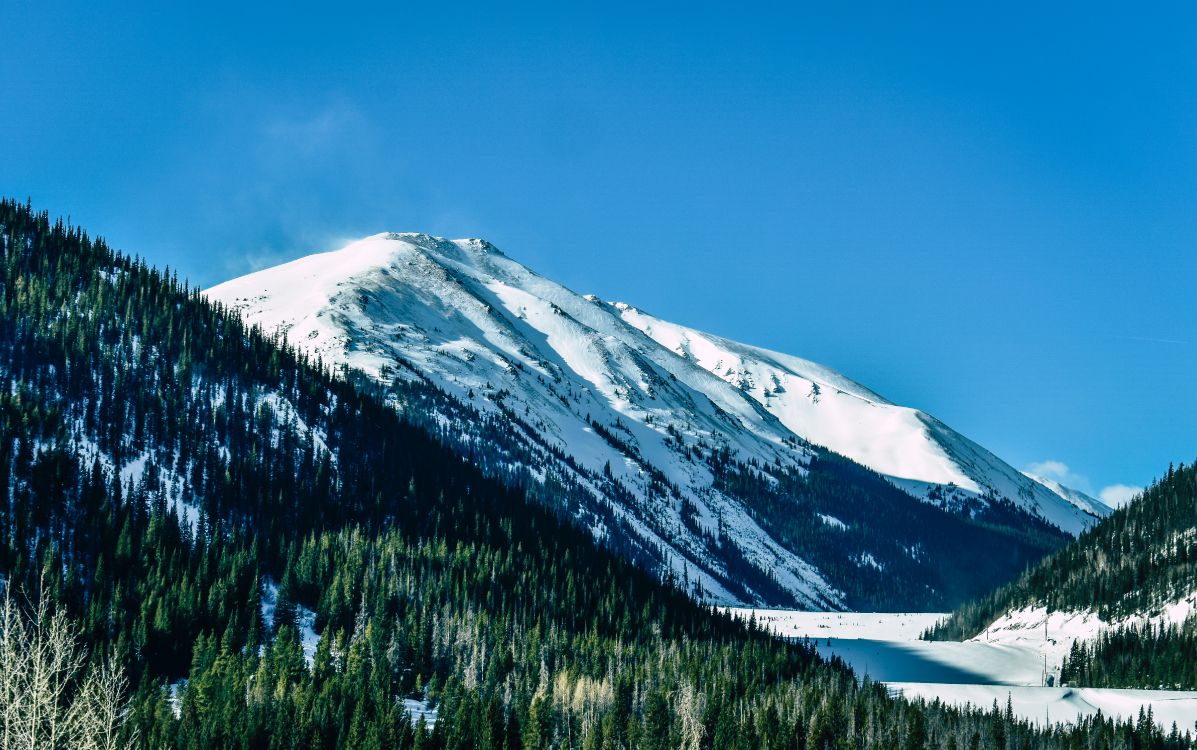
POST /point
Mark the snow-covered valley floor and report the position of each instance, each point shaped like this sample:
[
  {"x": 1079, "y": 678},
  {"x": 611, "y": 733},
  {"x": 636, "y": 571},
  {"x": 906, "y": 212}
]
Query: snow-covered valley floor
[{"x": 885, "y": 647}]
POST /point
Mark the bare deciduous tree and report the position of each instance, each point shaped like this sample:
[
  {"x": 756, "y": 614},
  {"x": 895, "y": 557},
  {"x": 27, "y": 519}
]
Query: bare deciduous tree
[{"x": 46, "y": 700}]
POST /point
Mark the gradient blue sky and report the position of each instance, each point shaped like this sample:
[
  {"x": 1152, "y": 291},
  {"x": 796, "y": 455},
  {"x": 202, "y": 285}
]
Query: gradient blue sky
[{"x": 988, "y": 214}]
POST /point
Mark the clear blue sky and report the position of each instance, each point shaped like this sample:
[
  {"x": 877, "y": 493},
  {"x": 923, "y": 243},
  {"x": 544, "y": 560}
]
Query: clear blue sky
[{"x": 988, "y": 214}]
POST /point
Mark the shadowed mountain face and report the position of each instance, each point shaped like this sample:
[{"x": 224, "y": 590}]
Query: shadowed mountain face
[{"x": 698, "y": 455}]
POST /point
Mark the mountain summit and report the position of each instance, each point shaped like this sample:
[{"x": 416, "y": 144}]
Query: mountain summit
[{"x": 697, "y": 447}]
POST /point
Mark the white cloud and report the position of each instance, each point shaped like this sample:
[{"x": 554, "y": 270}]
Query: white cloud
[
  {"x": 1058, "y": 471},
  {"x": 1114, "y": 495},
  {"x": 1117, "y": 495},
  {"x": 1049, "y": 469}
]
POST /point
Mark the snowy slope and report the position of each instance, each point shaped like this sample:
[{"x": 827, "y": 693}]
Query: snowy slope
[
  {"x": 1009, "y": 665},
  {"x": 826, "y": 408},
  {"x": 1085, "y": 502},
  {"x": 507, "y": 341},
  {"x": 1052, "y": 633},
  {"x": 608, "y": 395}
]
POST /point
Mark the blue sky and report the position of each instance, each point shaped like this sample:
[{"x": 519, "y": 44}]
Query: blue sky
[{"x": 988, "y": 214}]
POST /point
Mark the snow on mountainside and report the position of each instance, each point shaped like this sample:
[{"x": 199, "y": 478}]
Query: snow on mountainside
[
  {"x": 916, "y": 450},
  {"x": 609, "y": 394},
  {"x": 1087, "y": 503},
  {"x": 1052, "y": 633}
]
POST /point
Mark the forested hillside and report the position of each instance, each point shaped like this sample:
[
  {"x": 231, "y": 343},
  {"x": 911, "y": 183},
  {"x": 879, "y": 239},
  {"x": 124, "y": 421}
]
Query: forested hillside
[
  {"x": 1137, "y": 572},
  {"x": 202, "y": 502}
]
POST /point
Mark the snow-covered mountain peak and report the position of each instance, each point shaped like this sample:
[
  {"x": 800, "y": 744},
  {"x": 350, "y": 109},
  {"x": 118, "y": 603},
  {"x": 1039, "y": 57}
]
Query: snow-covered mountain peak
[{"x": 618, "y": 392}]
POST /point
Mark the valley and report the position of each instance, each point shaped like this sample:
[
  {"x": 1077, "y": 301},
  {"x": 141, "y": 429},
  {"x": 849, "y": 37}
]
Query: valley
[
  {"x": 1008, "y": 666},
  {"x": 270, "y": 545}
]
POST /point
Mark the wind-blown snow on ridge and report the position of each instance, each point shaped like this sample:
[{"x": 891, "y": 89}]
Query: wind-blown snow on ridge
[
  {"x": 624, "y": 395},
  {"x": 1084, "y": 501},
  {"x": 914, "y": 449},
  {"x": 812, "y": 401}
]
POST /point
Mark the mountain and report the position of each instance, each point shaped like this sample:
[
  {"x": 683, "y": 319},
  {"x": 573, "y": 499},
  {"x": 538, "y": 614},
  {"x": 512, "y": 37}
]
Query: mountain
[
  {"x": 267, "y": 555},
  {"x": 912, "y": 449},
  {"x": 689, "y": 451},
  {"x": 1117, "y": 607},
  {"x": 1085, "y": 502}
]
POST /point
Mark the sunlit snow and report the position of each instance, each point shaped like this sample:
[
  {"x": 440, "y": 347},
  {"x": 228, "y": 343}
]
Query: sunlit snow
[
  {"x": 616, "y": 390},
  {"x": 1012, "y": 662}
]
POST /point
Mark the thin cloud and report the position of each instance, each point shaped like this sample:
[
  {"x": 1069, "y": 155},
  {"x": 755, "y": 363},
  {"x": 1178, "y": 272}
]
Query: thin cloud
[
  {"x": 240, "y": 262},
  {"x": 1154, "y": 340},
  {"x": 1114, "y": 495},
  {"x": 1117, "y": 495},
  {"x": 1058, "y": 471},
  {"x": 1050, "y": 469},
  {"x": 329, "y": 130}
]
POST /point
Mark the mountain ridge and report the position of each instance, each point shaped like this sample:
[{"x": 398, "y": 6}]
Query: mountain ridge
[{"x": 632, "y": 400}]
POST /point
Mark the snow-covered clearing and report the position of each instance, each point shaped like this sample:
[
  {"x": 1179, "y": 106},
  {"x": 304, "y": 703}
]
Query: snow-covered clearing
[
  {"x": 1054, "y": 705},
  {"x": 309, "y": 639},
  {"x": 899, "y": 626},
  {"x": 415, "y": 709},
  {"x": 305, "y": 619},
  {"x": 1008, "y": 666},
  {"x": 174, "y": 699},
  {"x": 1053, "y": 633}
]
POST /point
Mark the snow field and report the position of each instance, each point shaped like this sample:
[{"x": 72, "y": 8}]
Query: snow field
[{"x": 1008, "y": 666}]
